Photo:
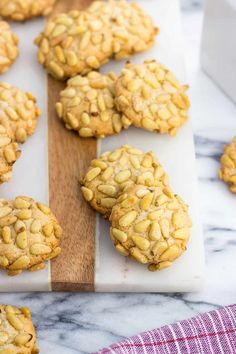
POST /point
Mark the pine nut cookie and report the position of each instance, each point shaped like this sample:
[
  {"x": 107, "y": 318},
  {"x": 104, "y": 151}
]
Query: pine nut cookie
[
  {"x": 8, "y": 47},
  {"x": 151, "y": 97},
  {"x": 132, "y": 29},
  {"x": 151, "y": 225},
  {"x": 74, "y": 43},
  {"x": 87, "y": 106},
  {"x": 17, "y": 332},
  {"x": 18, "y": 111},
  {"x": 29, "y": 235},
  {"x": 228, "y": 165},
  {"x": 21, "y": 10},
  {"x": 9, "y": 153},
  {"x": 114, "y": 170}
]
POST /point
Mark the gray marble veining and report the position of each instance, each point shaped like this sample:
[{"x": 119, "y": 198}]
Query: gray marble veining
[{"x": 82, "y": 323}]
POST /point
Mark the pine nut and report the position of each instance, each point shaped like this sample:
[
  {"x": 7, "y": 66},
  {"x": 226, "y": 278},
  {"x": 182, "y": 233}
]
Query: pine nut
[
  {"x": 128, "y": 218},
  {"x": 93, "y": 173},
  {"x": 40, "y": 249},
  {"x": 142, "y": 226},
  {"x": 107, "y": 189},
  {"x": 14, "y": 321},
  {"x": 119, "y": 235},
  {"x": 141, "y": 242},
  {"x": 21, "y": 263},
  {"x": 87, "y": 193},
  {"x": 21, "y": 240}
]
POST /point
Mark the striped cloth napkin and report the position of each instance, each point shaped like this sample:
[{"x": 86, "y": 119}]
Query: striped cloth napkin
[{"x": 210, "y": 333}]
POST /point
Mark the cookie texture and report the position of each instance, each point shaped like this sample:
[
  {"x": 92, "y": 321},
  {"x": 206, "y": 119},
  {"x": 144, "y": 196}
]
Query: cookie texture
[
  {"x": 227, "y": 171},
  {"x": 132, "y": 29},
  {"x": 151, "y": 225},
  {"x": 18, "y": 112},
  {"x": 29, "y": 235},
  {"x": 151, "y": 97},
  {"x": 17, "y": 332},
  {"x": 74, "y": 43},
  {"x": 87, "y": 106},
  {"x": 114, "y": 170},
  {"x": 9, "y": 153},
  {"x": 20, "y": 10},
  {"x": 8, "y": 46}
]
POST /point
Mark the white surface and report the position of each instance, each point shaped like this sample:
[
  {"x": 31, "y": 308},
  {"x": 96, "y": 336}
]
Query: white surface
[
  {"x": 30, "y": 175},
  {"x": 117, "y": 273},
  {"x": 218, "y": 54}
]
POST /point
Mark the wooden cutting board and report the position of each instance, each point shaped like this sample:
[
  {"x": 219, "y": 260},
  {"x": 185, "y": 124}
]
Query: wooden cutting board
[{"x": 69, "y": 157}]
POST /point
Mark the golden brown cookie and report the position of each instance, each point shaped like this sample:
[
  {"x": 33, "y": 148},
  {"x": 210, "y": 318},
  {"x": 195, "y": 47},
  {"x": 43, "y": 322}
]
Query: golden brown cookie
[
  {"x": 114, "y": 170},
  {"x": 20, "y": 10},
  {"x": 132, "y": 29},
  {"x": 29, "y": 235},
  {"x": 151, "y": 225},
  {"x": 74, "y": 43},
  {"x": 9, "y": 153},
  {"x": 151, "y": 97},
  {"x": 8, "y": 46},
  {"x": 228, "y": 165},
  {"x": 17, "y": 332},
  {"x": 18, "y": 111},
  {"x": 87, "y": 106}
]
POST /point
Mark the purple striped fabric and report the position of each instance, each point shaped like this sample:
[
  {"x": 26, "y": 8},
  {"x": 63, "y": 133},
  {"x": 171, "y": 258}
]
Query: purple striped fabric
[{"x": 212, "y": 332}]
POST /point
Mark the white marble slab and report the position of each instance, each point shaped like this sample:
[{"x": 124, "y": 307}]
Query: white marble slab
[{"x": 114, "y": 272}]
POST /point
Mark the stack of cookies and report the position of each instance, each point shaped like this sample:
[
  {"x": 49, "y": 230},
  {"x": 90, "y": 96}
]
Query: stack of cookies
[
  {"x": 148, "y": 221},
  {"x": 30, "y": 233},
  {"x": 145, "y": 95},
  {"x": 80, "y": 41},
  {"x": 74, "y": 45}
]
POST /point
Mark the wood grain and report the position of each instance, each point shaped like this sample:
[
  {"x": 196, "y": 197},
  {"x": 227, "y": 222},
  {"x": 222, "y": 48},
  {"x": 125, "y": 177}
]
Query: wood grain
[{"x": 69, "y": 157}]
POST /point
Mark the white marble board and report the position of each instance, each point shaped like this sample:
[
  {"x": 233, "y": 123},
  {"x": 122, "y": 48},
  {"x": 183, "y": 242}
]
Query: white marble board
[{"x": 114, "y": 273}]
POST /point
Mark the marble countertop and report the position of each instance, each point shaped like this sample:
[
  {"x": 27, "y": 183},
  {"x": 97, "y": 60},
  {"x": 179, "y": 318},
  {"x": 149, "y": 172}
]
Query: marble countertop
[{"x": 82, "y": 323}]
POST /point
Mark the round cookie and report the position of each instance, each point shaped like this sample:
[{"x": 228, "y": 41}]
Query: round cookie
[
  {"x": 17, "y": 332},
  {"x": 151, "y": 97},
  {"x": 87, "y": 106},
  {"x": 74, "y": 43},
  {"x": 8, "y": 47},
  {"x": 29, "y": 235},
  {"x": 18, "y": 112},
  {"x": 20, "y": 10},
  {"x": 132, "y": 29},
  {"x": 228, "y": 165},
  {"x": 151, "y": 225},
  {"x": 114, "y": 170},
  {"x": 9, "y": 153}
]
